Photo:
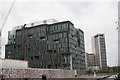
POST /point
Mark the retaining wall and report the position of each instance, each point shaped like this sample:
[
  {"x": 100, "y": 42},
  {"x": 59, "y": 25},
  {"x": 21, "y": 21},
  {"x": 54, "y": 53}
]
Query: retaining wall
[{"x": 36, "y": 73}]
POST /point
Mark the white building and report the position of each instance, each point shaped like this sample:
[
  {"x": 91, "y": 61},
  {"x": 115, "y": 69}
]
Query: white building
[
  {"x": 99, "y": 49},
  {"x": 118, "y": 33},
  {"x": 13, "y": 63}
]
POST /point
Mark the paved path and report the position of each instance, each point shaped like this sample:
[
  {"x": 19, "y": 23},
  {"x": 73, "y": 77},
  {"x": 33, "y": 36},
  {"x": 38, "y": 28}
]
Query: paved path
[{"x": 105, "y": 77}]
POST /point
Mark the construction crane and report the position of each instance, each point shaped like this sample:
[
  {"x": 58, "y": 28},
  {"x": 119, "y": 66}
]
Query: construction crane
[{"x": 4, "y": 24}]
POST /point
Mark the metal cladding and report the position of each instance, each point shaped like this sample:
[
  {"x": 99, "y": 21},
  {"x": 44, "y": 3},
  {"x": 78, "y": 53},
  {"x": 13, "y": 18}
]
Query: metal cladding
[{"x": 51, "y": 46}]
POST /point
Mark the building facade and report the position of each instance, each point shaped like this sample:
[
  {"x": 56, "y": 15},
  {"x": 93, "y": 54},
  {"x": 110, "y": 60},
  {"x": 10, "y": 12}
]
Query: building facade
[
  {"x": 119, "y": 33},
  {"x": 90, "y": 62},
  {"x": 53, "y": 46},
  {"x": 0, "y": 42},
  {"x": 99, "y": 50}
]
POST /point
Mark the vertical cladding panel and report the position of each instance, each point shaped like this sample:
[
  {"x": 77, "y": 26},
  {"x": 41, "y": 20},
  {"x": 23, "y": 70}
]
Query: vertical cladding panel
[{"x": 73, "y": 49}]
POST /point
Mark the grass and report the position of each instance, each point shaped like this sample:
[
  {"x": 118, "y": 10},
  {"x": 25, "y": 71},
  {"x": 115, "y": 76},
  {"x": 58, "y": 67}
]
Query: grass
[{"x": 111, "y": 73}]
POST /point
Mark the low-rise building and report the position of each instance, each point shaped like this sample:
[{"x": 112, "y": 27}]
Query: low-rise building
[{"x": 91, "y": 62}]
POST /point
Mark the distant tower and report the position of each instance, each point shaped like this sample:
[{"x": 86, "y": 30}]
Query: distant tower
[{"x": 99, "y": 49}]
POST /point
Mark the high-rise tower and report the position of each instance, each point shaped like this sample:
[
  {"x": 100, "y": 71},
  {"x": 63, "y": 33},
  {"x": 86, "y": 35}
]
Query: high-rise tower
[
  {"x": 99, "y": 49},
  {"x": 119, "y": 33}
]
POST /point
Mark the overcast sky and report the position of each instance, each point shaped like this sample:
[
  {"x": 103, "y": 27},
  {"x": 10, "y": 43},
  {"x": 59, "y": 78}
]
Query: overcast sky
[{"x": 93, "y": 17}]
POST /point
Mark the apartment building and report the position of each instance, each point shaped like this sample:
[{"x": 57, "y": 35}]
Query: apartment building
[
  {"x": 99, "y": 50},
  {"x": 57, "y": 45}
]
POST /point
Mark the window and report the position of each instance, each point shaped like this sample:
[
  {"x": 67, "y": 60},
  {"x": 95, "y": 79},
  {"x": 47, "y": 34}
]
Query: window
[
  {"x": 31, "y": 58},
  {"x": 76, "y": 55},
  {"x": 36, "y": 57},
  {"x": 72, "y": 35},
  {"x": 30, "y": 36},
  {"x": 60, "y": 35},
  {"x": 56, "y": 41},
  {"x": 14, "y": 47},
  {"x": 28, "y": 49},
  {"x": 55, "y": 51},
  {"x": 65, "y": 59},
  {"x": 75, "y": 46},
  {"x": 64, "y": 34},
  {"x": 42, "y": 38},
  {"x": 50, "y": 51},
  {"x": 49, "y": 66},
  {"x": 57, "y": 36},
  {"x": 9, "y": 52},
  {"x": 64, "y": 26},
  {"x": 19, "y": 32},
  {"x": 32, "y": 31},
  {"x": 55, "y": 27}
]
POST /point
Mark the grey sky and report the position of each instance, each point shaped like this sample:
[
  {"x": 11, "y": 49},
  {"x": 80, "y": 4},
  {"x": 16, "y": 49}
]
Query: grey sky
[{"x": 93, "y": 16}]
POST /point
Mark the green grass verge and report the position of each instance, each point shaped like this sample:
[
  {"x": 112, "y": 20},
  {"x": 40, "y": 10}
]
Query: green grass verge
[{"x": 111, "y": 73}]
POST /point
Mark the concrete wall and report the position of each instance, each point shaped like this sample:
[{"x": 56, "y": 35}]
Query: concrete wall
[
  {"x": 36, "y": 73},
  {"x": 0, "y": 64},
  {"x": 10, "y": 63}
]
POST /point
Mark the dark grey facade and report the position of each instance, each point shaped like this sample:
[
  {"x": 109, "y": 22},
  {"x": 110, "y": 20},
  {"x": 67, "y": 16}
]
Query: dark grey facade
[{"x": 55, "y": 46}]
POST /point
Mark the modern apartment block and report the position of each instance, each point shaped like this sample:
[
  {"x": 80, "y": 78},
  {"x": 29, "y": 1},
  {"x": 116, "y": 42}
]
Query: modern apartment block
[
  {"x": 99, "y": 49},
  {"x": 52, "y": 46}
]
